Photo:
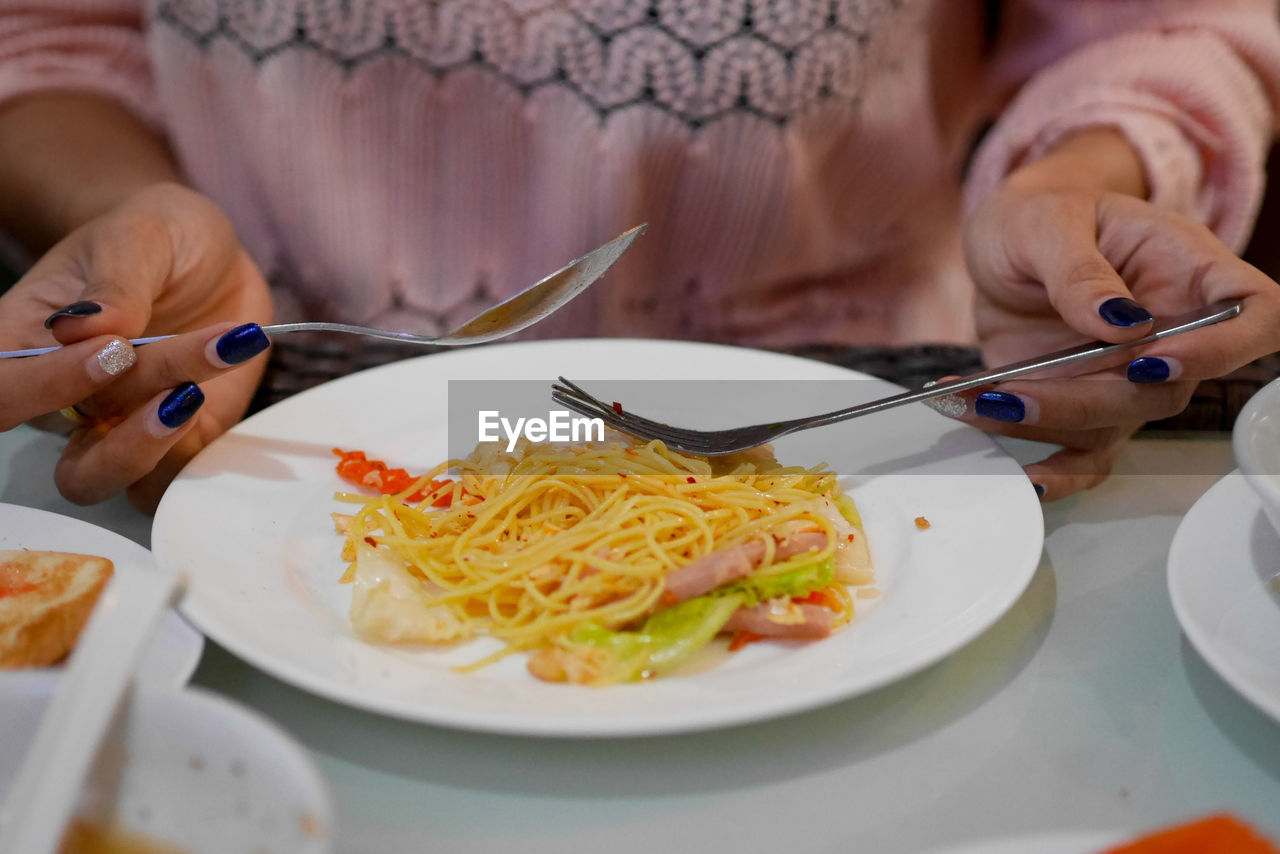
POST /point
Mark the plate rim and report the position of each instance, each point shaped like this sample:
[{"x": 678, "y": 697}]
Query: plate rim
[
  {"x": 1176, "y": 567},
  {"x": 319, "y": 685},
  {"x": 1064, "y": 841},
  {"x": 180, "y": 676}
]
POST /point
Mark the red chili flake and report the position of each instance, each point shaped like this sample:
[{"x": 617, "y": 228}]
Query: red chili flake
[
  {"x": 691, "y": 480},
  {"x": 851, "y": 538},
  {"x": 371, "y": 541},
  {"x": 617, "y": 407}
]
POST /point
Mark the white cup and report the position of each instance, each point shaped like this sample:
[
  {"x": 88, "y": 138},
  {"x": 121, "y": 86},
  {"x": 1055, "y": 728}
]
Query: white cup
[
  {"x": 188, "y": 768},
  {"x": 1256, "y": 442}
]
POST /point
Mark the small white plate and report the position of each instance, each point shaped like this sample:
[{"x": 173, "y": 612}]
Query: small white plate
[
  {"x": 248, "y": 521},
  {"x": 191, "y": 769},
  {"x": 173, "y": 653},
  {"x": 1050, "y": 843},
  {"x": 1221, "y": 565}
]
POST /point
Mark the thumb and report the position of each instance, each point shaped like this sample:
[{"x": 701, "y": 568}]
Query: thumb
[
  {"x": 1082, "y": 286},
  {"x": 115, "y": 269}
]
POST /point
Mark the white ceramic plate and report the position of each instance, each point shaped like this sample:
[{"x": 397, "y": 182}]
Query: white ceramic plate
[
  {"x": 191, "y": 769},
  {"x": 173, "y": 653},
  {"x": 1052, "y": 843},
  {"x": 248, "y": 520},
  {"x": 1221, "y": 563}
]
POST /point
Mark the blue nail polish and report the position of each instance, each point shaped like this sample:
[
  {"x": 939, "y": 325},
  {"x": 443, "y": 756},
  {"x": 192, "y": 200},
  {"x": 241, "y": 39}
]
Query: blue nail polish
[
  {"x": 1122, "y": 311},
  {"x": 83, "y": 308},
  {"x": 242, "y": 343},
  {"x": 1039, "y": 490},
  {"x": 1148, "y": 369},
  {"x": 1000, "y": 406},
  {"x": 180, "y": 404}
]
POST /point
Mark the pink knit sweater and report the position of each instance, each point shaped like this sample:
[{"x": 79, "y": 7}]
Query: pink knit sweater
[{"x": 405, "y": 162}]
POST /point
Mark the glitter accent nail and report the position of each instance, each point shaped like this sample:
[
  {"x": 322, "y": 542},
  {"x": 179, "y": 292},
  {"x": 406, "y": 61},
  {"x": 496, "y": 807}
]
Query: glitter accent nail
[
  {"x": 950, "y": 405},
  {"x": 117, "y": 357}
]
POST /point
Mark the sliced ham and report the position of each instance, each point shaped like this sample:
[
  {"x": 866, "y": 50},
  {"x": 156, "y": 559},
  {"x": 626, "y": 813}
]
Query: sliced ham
[
  {"x": 710, "y": 571},
  {"x": 720, "y": 567},
  {"x": 812, "y": 621}
]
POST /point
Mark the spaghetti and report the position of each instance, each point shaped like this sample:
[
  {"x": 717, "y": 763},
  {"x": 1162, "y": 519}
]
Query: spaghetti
[{"x": 608, "y": 562}]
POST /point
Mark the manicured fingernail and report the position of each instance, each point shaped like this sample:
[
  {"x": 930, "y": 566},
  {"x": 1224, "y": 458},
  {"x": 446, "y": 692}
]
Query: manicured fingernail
[
  {"x": 1122, "y": 311},
  {"x": 83, "y": 308},
  {"x": 950, "y": 405},
  {"x": 1000, "y": 406},
  {"x": 179, "y": 405},
  {"x": 112, "y": 360},
  {"x": 1039, "y": 490},
  {"x": 1148, "y": 369},
  {"x": 239, "y": 345}
]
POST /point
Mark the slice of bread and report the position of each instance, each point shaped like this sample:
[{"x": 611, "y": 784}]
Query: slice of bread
[{"x": 45, "y": 600}]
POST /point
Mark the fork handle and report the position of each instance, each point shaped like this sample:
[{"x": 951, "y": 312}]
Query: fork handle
[{"x": 1215, "y": 313}]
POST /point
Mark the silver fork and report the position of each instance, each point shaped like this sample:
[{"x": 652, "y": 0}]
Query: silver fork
[
  {"x": 509, "y": 316},
  {"x": 710, "y": 443}
]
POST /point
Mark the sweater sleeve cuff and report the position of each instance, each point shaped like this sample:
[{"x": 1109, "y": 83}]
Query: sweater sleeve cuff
[
  {"x": 63, "y": 54},
  {"x": 1200, "y": 140}
]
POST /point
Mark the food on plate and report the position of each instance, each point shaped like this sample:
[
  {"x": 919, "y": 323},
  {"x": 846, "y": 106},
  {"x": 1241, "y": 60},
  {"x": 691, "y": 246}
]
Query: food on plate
[
  {"x": 607, "y": 562},
  {"x": 1218, "y": 834},
  {"x": 45, "y": 600}
]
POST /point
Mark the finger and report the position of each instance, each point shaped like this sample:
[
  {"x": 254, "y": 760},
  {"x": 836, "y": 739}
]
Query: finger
[
  {"x": 121, "y": 263},
  {"x": 1091, "y": 402},
  {"x": 965, "y": 406},
  {"x": 145, "y": 494},
  {"x": 1073, "y": 470},
  {"x": 99, "y": 462},
  {"x": 1221, "y": 348},
  {"x": 40, "y": 384},
  {"x": 191, "y": 357},
  {"x": 1081, "y": 284}
]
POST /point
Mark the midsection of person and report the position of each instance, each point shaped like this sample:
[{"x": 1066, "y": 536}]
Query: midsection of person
[{"x": 405, "y": 164}]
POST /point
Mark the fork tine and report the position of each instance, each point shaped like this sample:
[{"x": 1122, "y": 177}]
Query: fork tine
[
  {"x": 662, "y": 431},
  {"x": 587, "y": 406},
  {"x": 703, "y": 442},
  {"x": 627, "y": 422},
  {"x": 697, "y": 446},
  {"x": 611, "y": 418}
]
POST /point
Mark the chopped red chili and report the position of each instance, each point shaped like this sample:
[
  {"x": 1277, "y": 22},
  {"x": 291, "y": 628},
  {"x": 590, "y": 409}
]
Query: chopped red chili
[{"x": 356, "y": 467}]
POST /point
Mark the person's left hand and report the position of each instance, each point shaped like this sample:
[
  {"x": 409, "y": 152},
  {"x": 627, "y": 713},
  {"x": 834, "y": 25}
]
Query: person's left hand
[{"x": 1056, "y": 262}]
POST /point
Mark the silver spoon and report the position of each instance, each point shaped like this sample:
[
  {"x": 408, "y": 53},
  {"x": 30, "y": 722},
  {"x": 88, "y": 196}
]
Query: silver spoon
[{"x": 509, "y": 316}]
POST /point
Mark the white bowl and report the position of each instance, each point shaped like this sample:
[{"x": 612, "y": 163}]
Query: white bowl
[
  {"x": 1256, "y": 441},
  {"x": 188, "y": 768}
]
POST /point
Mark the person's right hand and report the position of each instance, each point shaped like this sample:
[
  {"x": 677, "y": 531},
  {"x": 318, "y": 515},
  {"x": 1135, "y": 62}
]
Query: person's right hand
[{"x": 164, "y": 261}]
